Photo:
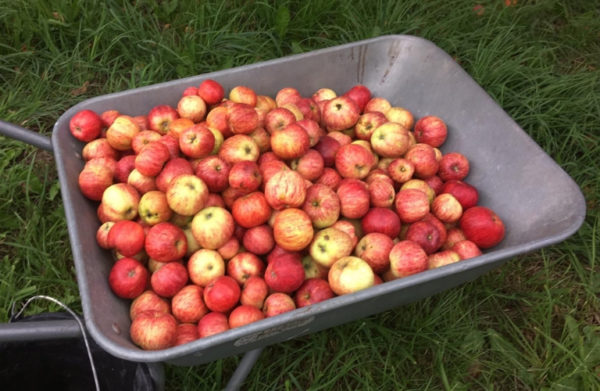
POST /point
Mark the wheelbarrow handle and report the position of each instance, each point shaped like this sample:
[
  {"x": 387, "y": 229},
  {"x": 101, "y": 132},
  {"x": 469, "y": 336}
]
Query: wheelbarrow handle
[
  {"x": 30, "y": 137},
  {"x": 39, "y": 330}
]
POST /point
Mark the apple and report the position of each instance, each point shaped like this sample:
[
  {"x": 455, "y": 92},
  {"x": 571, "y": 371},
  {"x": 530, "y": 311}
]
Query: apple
[
  {"x": 367, "y": 123},
  {"x": 186, "y": 333},
  {"x": 243, "y": 118},
  {"x": 287, "y": 95},
  {"x": 191, "y": 90},
  {"x": 177, "y": 126},
  {"x": 245, "y": 175},
  {"x": 329, "y": 245},
  {"x": 360, "y": 94},
  {"x": 127, "y": 237},
  {"x": 426, "y": 235},
  {"x": 120, "y": 202},
  {"x": 160, "y": 117},
  {"x": 313, "y": 269},
  {"x": 323, "y": 94},
  {"x": 218, "y": 119},
  {"x": 230, "y": 248},
  {"x": 265, "y": 103},
  {"x": 407, "y": 258},
  {"x": 94, "y": 179},
  {"x": 153, "y": 330},
  {"x": 378, "y": 104},
  {"x": 340, "y": 113},
  {"x": 121, "y": 133},
  {"x": 328, "y": 148},
  {"x": 313, "y": 130},
  {"x": 381, "y": 193},
  {"x": 466, "y": 249},
  {"x": 354, "y": 161},
  {"x": 464, "y": 192},
  {"x": 285, "y": 189},
  {"x": 292, "y": 229},
  {"x": 239, "y": 147},
  {"x": 169, "y": 279},
  {"x": 212, "y": 323},
  {"x": 171, "y": 169},
  {"x": 310, "y": 165},
  {"x": 290, "y": 143},
  {"x": 350, "y": 274},
  {"x": 262, "y": 138},
  {"x": 341, "y": 138},
  {"x": 354, "y": 198},
  {"x": 436, "y": 183},
  {"x": 142, "y": 183},
  {"x": 188, "y": 305},
  {"x": 298, "y": 114},
  {"x": 424, "y": 159},
  {"x": 390, "y": 140},
  {"x": 251, "y": 210},
  {"x": 143, "y": 138},
  {"x": 330, "y": 178},
  {"x": 411, "y": 205},
  {"x": 453, "y": 166},
  {"x": 205, "y": 265},
  {"x": 222, "y": 294},
  {"x": 259, "y": 240},
  {"x": 431, "y": 130},
  {"x": 243, "y": 265},
  {"x": 102, "y": 234},
  {"x": 243, "y": 94},
  {"x": 482, "y": 226},
  {"x": 442, "y": 258},
  {"x": 153, "y": 208},
  {"x": 454, "y": 235},
  {"x": 151, "y": 159},
  {"x": 401, "y": 170},
  {"x": 214, "y": 171},
  {"x": 196, "y": 142},
  {"x": 148, "y": 301},
  {"x": 108, "y": 117},
  {"x": 312, "y": 291},
  {"x": 99, "y": 148},
  {"x": 278, "y": 119},
  {"x": 322, "y": 205},
  {"x": 400, "y": 116},
  {"x": 212, "y": 227},
  {"x": 419, "y": 184},
  {"x": 128, "y": 278},
  {"x": 446, "y": 208},
  {"x": 278, "y": 303},
  {"x": 165, "y": 242},
  {"x": 254, "y": 292},
  {"x": 374, "y": 248},
  {"x": 211, "y": 91},
  {"x": 85, "y": 125},
  {"x": 187, "y": 194},
  {"x": 191, "y": 107},
  {"x": 243, "y": 315},
  {"x": 382, "y": 220}
]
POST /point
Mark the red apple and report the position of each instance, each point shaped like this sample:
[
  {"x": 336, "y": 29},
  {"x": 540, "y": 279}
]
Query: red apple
[
  {"x": 243, "y": 119},
  {"x": 245, "y": 175},
  {"x": 259, "y": 240},
  {"x": 243, "y": 315},
  {"x": 290, "y": 143},
  {"x": 292, "y": 229},
  {"x": 212, "y": 227},
  {"x": 401, "y": 170},
  {"x": 191, "y": 90},
  {"x": 323, "y": 94},
  {"x": 85, "y": 125},
  {"x": 121, "y": 133},
  {"x": 466, "y": 249},
  {"x": 142, "y": 183},
  {"x": 381, "y": 193},
  {"x": 284, "y": 273},
  {"x": 251, "y": 210},
  {"x": 159, "y": 118},
  {"x": 411, "y": 205},
  {"x": 340, "y": 113},
  {"x": 188, "y": 305},
  {"x": 442, "y": 258},
  {"x": 285, "y": 189},
  {"x": 254, "y": 292},
  {"x": 424, "y": 159},
  {"x": 287, "y": 95},
  {"x": 330, "y": 178},
  {"x": 99, "y": 148},
  {"x": 407, "y": 258},
  {"x": 102, "y": 234},
  {"x": 169, "y": 279},
  {"x": 94, "y": 179},
  {"x": 378, "y": 104},
  {"x": 127, "y": 237},
  {"x": 390, "y": 140},
  {"x": 312, "y": 128},
  {"x": 120, "y": 202},
  {"x": 211, "y": 91},
  {"x": 435, "y": 182},
  {"x": 381, "y": 220},
  {"x": 328, "y": 148},
  {"x": 431, "y": 130},
  {"x": 310, "y": 166},
  {"x": 178, "y": 126},
  {"x": 171, "y": 169},
  {"x": 278, "y": 303},
  {"x": 374, "y": 248},
  {"x": 419, "y": 184},
  {"x": 205, "y": 265},
  {"x": 312, "y": 291},
  {"x": 148, "y": 301},
  {"x": 108, "y": 117},
  {"x": 153, "y": 330},
  {"x": 354, "y": 198},
  {"x": 243, "y": 94},
  {"x": 186, "y": 333},
  {"x": 165, "y": 242},
  {"x": 360, "y": 94},
  {"x": 322, "y": 205},
  {"x": 214, "y": 171},
  {"x": 482, "y": 226},
  {"x": 128, "y": 278},
  {"x": 354, "y": 161},
  {"x": 222, "y": 294},
  {"x": 239, "y": 147},
  {"x": 446, "y": 208},
  {"x": 453, "y": 166},
  {"x": 454, "y": 235},
  {"x": 218, "y": 118},
  {"x": 367, "y": 123},
  {"x": 426, "y": 235},
  {"x": 212, "y": 323},
  {"x": 350, "y": 274},
  {"x": 244, "y": 265}
]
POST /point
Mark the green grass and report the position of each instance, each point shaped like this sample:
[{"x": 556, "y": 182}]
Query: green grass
[{"x": 533, "y": 324}]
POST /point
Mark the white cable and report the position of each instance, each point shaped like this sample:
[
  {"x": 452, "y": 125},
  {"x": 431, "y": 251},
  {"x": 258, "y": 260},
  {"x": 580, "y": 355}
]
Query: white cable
[{"x": 81, "y": 327}]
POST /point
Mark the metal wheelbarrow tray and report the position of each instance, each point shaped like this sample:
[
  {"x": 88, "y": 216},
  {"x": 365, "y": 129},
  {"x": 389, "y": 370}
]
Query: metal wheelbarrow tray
[{"x": 539, "y": 203}]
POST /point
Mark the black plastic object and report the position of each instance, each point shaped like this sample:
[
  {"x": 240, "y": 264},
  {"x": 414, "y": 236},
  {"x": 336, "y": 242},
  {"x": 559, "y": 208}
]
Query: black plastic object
[{"x": 62, "y": 363}]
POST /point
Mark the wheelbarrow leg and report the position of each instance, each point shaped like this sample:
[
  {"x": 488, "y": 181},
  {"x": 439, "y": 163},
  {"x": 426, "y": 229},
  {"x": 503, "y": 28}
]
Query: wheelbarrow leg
[{"x": 243, "y": 369}]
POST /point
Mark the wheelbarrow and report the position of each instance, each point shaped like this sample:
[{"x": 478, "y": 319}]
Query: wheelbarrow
[{"x": 538, "y": 201}]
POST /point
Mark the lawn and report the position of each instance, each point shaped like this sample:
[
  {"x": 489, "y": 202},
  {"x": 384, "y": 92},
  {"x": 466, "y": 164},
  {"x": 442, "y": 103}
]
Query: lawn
[{"x": 533, "y": 324}]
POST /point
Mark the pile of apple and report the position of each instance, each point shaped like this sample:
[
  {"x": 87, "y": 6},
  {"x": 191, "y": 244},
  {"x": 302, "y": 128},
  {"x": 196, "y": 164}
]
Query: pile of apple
[{"x": 225, "y": 210}]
